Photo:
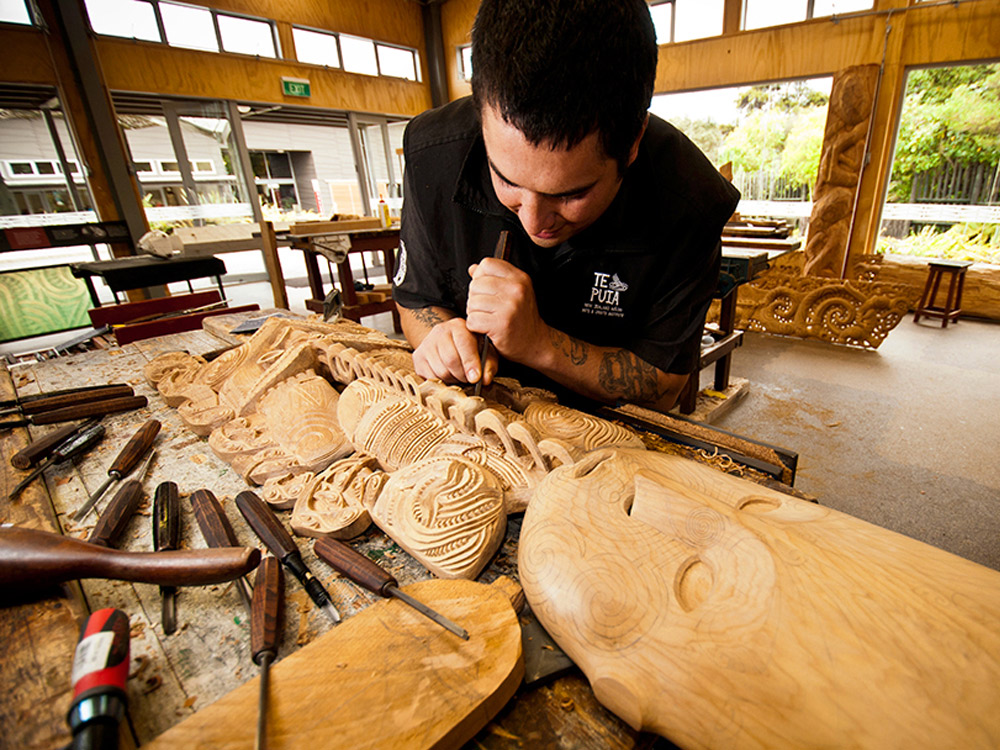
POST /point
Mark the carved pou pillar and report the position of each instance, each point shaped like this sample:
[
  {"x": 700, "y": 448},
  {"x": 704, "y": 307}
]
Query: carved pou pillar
[{"x": 840, "y": 165}]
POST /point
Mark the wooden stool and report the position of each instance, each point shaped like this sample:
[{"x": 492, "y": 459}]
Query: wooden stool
[{"x": 953, "y": 304}]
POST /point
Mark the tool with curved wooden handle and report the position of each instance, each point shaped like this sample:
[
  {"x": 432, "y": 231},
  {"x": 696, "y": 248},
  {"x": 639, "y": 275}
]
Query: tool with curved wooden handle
[{"x": 31, "y": 559}]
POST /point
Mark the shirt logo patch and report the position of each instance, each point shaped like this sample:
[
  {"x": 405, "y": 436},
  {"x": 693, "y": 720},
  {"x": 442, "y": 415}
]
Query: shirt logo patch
[
  {"x": 401, "y": 267},
  {"x": 605, "y": 296}
]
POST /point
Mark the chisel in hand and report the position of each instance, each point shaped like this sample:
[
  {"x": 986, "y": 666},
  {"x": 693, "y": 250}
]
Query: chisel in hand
[
  {"x": 367, "y": 573},
  {"x": 74, "y": 446},
  {"x": 166, "y": 536},
  {"x": 130, "y": 455},
  {"x": 277, "y": 539},
  {"x": 218, "y": 532},
  {"x": 500, "y": 251},
  {"x": 265, "y": 632},
  {"x": 120, "y": 510}
]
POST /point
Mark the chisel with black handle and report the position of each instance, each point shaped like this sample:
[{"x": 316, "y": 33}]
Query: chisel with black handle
[
  {"x": 39, "y": 450},
  {"x": 166, "y": 536},
  {"x": 277, "y": 539},
  {"x": 69, "y": 449},
  {"x": 218, "y": 532},
  {"x": 31, "y": 559}
]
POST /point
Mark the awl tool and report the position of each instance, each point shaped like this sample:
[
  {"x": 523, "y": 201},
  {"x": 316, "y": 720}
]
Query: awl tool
[
  {"x": 265, "y": 632},
  {"x": 71, "y": 448},
  {"x": 367, "y": 573},
  {"x": 166, "y": 536},
  {"x": 137, "y": 447},
  {"x": 120, "y": 510},
  {"x": 218, "y": 532},
  {"x": 499, "y": 252},
  {"x": 266, "y": 525}
]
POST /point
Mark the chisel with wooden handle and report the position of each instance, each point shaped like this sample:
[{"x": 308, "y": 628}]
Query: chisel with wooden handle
[
  {"x": 166, "y": 536},
  {"x": 500, "y": 251},
  {"x": 65, "y": 397},
  {"x": 218, "y": 532},
  {"x": 127, "y": 458},
  {"x": 277, "y": 539},
  {"x": 369, "y": 574},
  {"x": 67, "y": 450},
  {"x": 39, "y": 450},
  {"x": 30, "y": 559},
  {"x": 265, "y": 632},
  {"x": 120, "y": 510},
  {"x": 80, "y": 411}
]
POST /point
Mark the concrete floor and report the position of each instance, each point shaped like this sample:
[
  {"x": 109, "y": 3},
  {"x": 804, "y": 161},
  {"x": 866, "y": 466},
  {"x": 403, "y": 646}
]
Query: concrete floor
[{"x": 905, "y": 437}]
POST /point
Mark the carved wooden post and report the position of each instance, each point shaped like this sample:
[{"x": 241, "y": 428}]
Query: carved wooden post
[{"x": 839, "y": 170}]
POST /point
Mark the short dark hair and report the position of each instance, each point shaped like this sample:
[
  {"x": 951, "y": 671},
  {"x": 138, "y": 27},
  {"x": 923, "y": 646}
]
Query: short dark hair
[{"x": 558, "y": 70}]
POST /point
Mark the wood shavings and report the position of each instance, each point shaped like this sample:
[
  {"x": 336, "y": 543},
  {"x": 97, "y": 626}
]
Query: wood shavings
[
  {"x": 153, "y": 683},
  {"x": 190, "y": 701},
  {"x": 499, "y": 731},
  {"x": 567, "y": 705}
]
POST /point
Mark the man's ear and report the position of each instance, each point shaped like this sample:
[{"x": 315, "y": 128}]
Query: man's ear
[{"x": 635, "y": 146}]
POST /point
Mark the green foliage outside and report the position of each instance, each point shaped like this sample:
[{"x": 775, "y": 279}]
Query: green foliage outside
[
  {"x": 976, "y": 242},
  {"x": 950, "y": 116}
]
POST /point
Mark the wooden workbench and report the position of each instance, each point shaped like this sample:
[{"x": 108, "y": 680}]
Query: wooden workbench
[{"x": 174, "y": 676}]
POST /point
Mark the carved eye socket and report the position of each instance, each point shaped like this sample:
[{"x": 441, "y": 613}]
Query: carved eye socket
[
  {"x": 758, "y": 504},
  {"x": 693, "y": 583}
]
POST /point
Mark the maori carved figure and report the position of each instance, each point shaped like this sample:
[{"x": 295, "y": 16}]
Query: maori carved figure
[
  {"x": 446, "y": 511},
  {"x": 839, "y": 169},
  {"x": 335, "y": 502},
  {"x": 722, "y": 614}
]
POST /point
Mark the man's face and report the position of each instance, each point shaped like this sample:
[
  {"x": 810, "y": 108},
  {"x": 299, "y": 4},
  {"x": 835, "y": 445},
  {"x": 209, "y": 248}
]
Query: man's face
[{"x": 555, "y": 193}]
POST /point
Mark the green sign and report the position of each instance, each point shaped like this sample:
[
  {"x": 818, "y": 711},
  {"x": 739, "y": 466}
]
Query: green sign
[{"x": 295, "y": 87}]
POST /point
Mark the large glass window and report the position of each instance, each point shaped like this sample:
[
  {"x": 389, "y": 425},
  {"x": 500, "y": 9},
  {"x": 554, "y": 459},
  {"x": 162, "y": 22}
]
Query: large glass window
[
  {"x": 396, "y": 62},
  {"x": 761, "y": 13},
  {"x": 316, "y": 47},
  {"x": 246, "y": 36},
  {"x": 189, "y": 27},
  {"x": 944, "y": 194},
  {"x": 697, "y": 19},
  {"x": 359, "y": 55},
  {"x": 14, "y": 11},
  {"x": 132, "y": 19}
]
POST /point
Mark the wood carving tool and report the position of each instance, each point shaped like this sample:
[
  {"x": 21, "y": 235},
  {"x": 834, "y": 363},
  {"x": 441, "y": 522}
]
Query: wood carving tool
[
  {"x": 80, "y": 411},
  {"x": 120, "y": 510},
  {"x": 30, "y": 559},
  {"x": 277, "y": 539},
  {"x": 39, "y": 450},
  {"x": 265, "y": 632},
  {"x": 369, "y": 574},
  {"x": 499, "y": 252},
  {"x": 69, "y": 449},
  {"x": 218, "y": 532},
  {"x": 127, "y": 458},
  {"x": 60, "y": 399},
  {"x": 166, "y": 536},
  {"x": 100, "y": 669}
]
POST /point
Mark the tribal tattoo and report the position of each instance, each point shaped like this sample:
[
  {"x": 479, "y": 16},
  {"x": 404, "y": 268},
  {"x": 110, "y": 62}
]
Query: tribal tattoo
[
  {"x": 568, "y": 346},
  {"x": 428, "y": 316},
  {"x": 631, "y": 378}
]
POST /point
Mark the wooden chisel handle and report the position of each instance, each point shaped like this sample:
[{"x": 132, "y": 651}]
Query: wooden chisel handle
[
  {"x": 92, "y": 409},
  {"x": 116, "y": 516},
  {"x": 102, "y": 393},
  {"x": 30, "y": 559},
  {"x": 40, "y": 449},
  {"x": 135, "y": 449},
  {"x": 212, "y": 520},
  {"x": 268, "y": 596},
  {"x": 354, "y": 565}
]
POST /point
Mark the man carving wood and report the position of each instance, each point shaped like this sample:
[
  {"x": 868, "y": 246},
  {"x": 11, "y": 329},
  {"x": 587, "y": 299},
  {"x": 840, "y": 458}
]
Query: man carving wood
[{"x": 614, "y": 216}]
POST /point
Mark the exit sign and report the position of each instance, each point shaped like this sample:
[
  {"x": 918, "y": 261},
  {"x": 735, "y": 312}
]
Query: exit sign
[{"x": 295, "y": 86}]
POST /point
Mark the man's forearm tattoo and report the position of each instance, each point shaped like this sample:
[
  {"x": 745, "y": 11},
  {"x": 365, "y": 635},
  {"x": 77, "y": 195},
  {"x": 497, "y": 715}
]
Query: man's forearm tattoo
[
  {"x": 568, "y": 346},
  {"x": 629, "y": 377},
  {"x": 428, "y": 316}
]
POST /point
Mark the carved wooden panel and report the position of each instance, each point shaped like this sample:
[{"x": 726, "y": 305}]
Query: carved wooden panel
[
  {"x": 722, "y": 614},
  {"x": 335, "y": 502}
]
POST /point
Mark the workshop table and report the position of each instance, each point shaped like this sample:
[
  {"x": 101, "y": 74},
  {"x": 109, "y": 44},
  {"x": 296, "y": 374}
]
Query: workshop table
[
  {"x": 139, "y": 271},
  {"x": 173, "y": 676}
]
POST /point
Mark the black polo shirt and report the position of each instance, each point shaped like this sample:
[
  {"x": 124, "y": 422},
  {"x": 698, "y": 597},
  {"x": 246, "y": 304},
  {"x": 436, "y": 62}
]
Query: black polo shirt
[{"x": 640, "y": 277}]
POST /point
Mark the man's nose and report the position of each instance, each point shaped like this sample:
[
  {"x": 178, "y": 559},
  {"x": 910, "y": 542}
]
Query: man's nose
[{"x": 535, "y": 213}]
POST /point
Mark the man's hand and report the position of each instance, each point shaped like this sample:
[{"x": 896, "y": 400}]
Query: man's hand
[
  {"x": 502, "y": 306},
  {"x": 443, "y": 346}
]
